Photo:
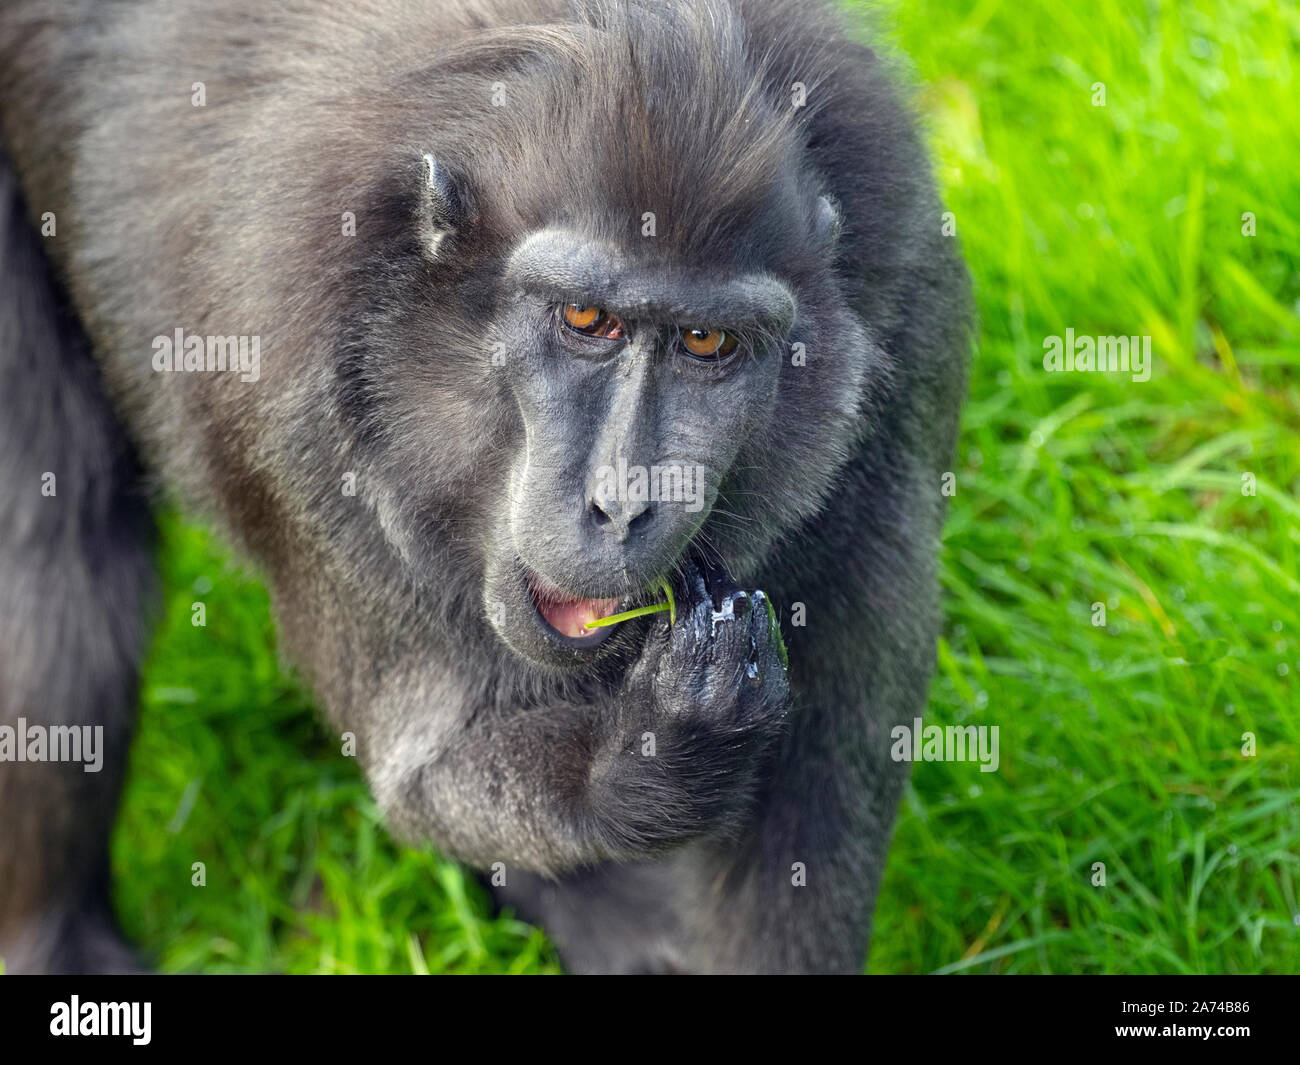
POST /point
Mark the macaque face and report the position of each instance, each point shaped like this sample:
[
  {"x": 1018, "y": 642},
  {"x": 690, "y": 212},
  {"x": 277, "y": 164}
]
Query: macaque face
[{"x": 636, "y": 388}]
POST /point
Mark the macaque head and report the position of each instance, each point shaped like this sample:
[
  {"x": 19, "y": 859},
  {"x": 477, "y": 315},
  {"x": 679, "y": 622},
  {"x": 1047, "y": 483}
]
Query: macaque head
[{"x": 624, "y": 339}]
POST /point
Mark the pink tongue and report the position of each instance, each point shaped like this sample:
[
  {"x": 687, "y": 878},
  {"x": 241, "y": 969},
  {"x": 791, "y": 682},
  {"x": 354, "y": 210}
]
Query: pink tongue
[{"x": 570, "y": 616}]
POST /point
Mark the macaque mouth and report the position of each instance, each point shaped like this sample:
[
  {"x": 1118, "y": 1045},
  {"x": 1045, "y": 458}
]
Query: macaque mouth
[{"x": 569, "y": 616}]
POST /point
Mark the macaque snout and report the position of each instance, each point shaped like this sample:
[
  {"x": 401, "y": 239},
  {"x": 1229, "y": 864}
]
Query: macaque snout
[{"x": 633, "y": 506}]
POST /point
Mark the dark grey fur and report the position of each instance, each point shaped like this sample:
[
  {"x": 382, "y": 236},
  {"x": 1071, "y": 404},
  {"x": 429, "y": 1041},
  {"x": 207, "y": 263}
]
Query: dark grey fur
[{"x": 405, "y": 605}]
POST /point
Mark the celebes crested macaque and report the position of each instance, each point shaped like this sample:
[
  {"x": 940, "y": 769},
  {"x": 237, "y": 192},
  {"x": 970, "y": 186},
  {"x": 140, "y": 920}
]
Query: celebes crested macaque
[{"x": 482, "y": 323}]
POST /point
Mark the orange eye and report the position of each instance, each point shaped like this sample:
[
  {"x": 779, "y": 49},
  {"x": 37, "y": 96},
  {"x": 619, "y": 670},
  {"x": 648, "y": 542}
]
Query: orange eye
[
  {"x": 592, "y": 321},
  {"x": 580, "y": 317},
  {"x": 709, "y": 343}
]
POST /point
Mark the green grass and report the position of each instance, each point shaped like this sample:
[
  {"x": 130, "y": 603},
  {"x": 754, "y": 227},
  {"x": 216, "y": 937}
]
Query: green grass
[{"x": 1120, "y": 743}]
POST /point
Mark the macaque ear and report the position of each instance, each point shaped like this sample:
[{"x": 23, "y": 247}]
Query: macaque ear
[
  {"x": 445, "y": 205},
  {"x": 829, "y": 221}
]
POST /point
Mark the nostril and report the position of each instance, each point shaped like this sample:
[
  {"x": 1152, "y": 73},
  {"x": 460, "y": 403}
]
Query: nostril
[{"x": 617, "y": 518}]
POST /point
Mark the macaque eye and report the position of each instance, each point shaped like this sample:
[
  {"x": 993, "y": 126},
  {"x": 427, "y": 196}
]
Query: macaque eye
[
  {"x": 711, "y": 344},
  {"x": 593, "y": 321}
]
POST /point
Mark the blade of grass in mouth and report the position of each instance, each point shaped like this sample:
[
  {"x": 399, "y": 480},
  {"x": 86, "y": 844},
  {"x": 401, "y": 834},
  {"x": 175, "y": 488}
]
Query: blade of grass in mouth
[{"x": 641, "y": 611}]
